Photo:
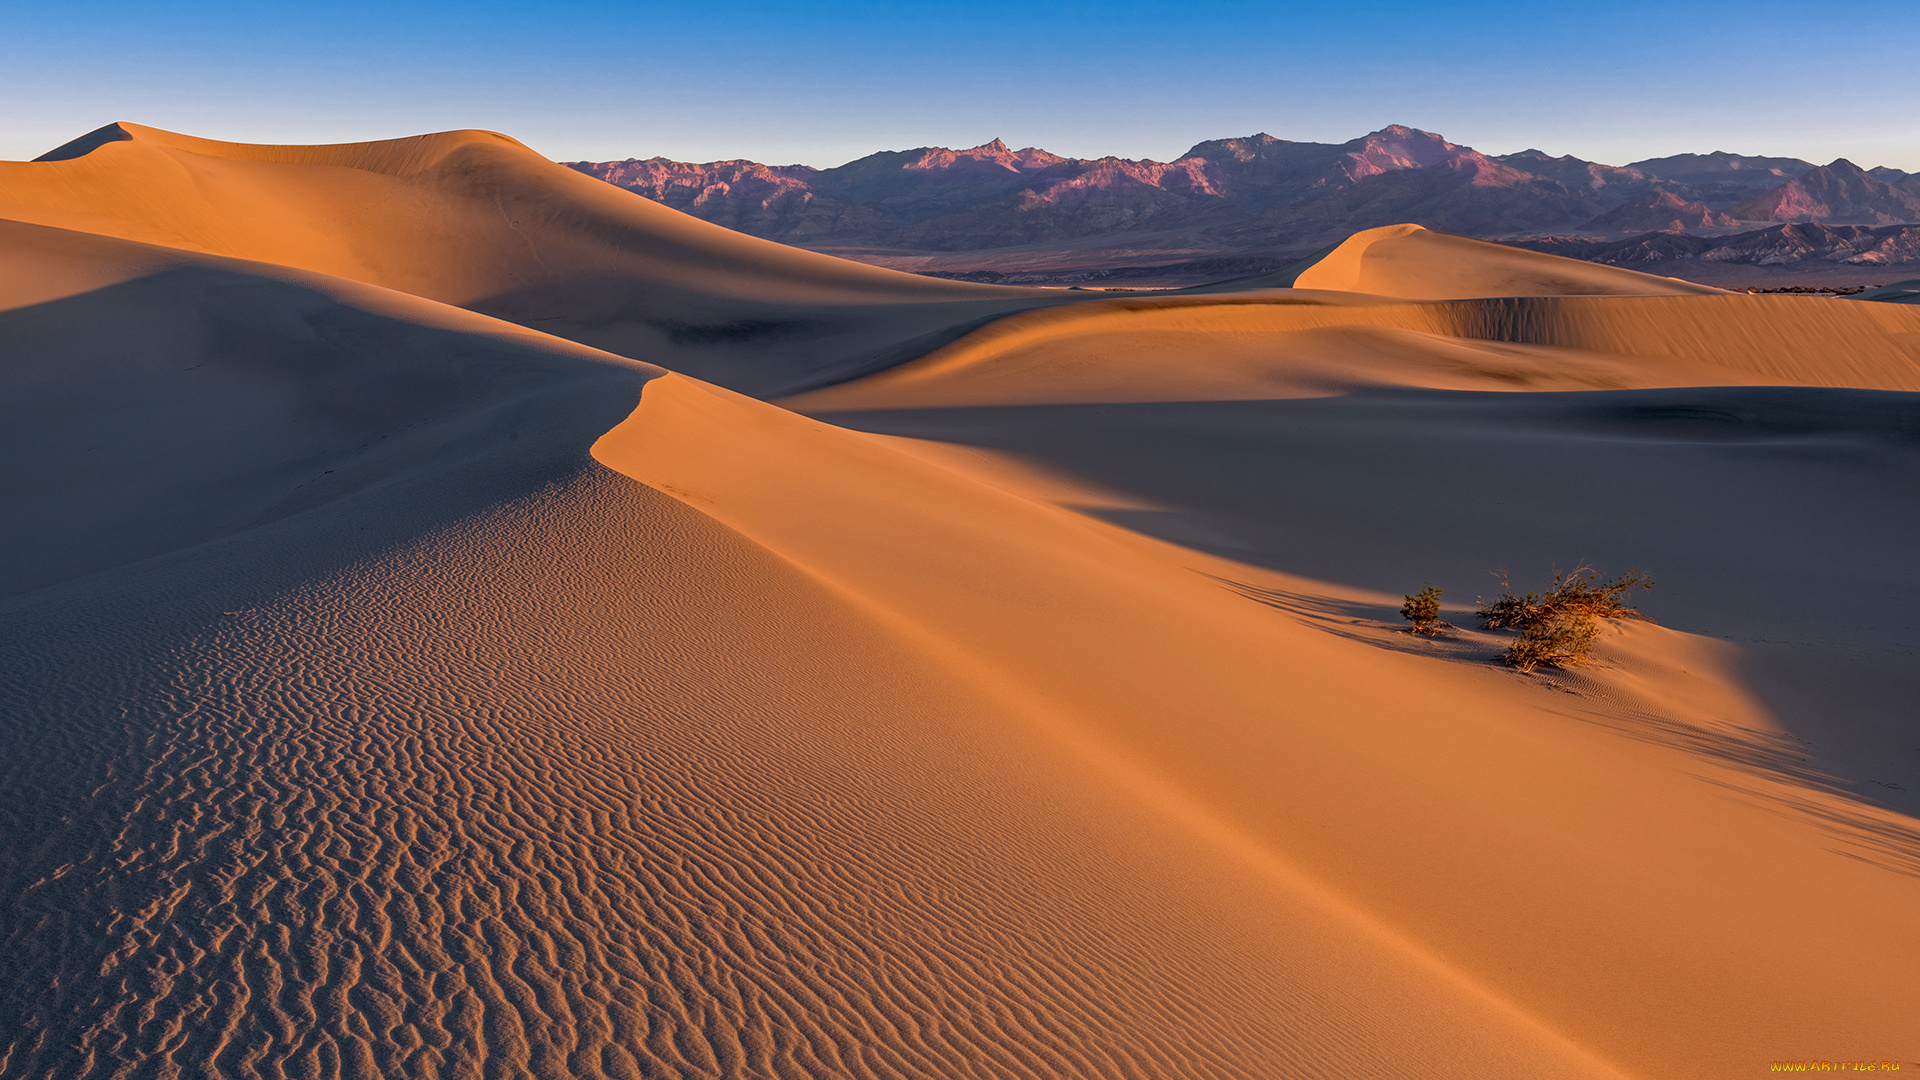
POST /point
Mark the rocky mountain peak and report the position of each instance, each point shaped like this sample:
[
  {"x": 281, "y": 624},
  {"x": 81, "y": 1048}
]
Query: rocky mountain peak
[
  {"x": 1839, "y": 191},
  {"x": 1397, "y": 146}
]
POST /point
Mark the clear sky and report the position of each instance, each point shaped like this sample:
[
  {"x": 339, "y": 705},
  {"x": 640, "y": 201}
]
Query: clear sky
[{"x": 821, "y": 84}]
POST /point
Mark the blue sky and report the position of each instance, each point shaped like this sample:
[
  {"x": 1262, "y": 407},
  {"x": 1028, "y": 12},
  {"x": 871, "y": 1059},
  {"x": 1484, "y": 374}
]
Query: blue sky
[{"x": 823, "y": 83}]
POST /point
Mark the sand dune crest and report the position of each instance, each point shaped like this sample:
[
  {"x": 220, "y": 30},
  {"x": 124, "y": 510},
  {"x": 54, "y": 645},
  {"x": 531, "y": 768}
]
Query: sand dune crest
[
  {"x": 1417, "y": 264},
  {"x": 476, "y": 219},
  {"x": 1300, "y": 342},
  {"x": 1104, "y": 640}
]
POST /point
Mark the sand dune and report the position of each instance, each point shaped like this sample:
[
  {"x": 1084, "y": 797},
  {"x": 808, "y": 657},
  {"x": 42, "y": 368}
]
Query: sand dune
[
  {"x": 475, "y": 219},
  {"x": 1342, "y": 321},
  {"x": 160, "y": 399},
  {"x": 1297, "y": 342},
  {"x": 1447, "y": 799},
  {"x": 397, "y": 690},
  {"x": 1418, "y": 264},
  {"x": 434, "y": 743},
  {"x": 1899, "y": 292}
]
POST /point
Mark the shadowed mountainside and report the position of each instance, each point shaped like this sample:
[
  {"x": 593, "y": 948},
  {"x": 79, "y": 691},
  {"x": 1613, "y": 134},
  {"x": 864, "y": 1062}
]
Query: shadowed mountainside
[
  {"x": 1840, "y": 193},
  {"x": 1659, "y": 211}
]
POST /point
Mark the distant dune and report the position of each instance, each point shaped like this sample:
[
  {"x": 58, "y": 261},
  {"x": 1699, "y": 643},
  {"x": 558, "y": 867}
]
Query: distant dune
[
  {"x": 464, "y": 619},
  {"x": 1414, "y": 263},
  {"x": 1542, "y": 324}
]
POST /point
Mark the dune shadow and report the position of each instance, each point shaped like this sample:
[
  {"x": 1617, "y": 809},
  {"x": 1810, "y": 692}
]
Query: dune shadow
[
  {"x": 1776, "y": 518},
  {"x": 763, "y": 347},
  {"x": 1787, "y": 760},
  {"x": 1376, "y": 625},
  {"x": 198, "y": 402}
]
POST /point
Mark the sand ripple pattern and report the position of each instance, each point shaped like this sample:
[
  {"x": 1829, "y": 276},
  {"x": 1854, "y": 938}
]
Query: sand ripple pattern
[{"x": 581, "y": 786}]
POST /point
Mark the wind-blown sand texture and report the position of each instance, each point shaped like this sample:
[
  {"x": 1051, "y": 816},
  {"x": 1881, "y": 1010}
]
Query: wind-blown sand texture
[{"x": 433, "y": 649}]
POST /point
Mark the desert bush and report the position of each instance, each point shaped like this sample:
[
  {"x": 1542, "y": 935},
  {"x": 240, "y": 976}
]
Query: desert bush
[
  {"x": 1422, "y": 609},
  {"x": 1563, "y": 642},
  {"x": 1558, "y": 627},
  {"x": 1575, "y": 592}
]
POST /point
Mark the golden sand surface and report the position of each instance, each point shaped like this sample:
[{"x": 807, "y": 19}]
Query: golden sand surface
[{"x": 462, "y": 619}]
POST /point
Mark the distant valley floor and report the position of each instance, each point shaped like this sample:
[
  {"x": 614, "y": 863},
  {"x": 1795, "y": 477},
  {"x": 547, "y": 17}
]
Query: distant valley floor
[{"x": 1770, "y": 262}]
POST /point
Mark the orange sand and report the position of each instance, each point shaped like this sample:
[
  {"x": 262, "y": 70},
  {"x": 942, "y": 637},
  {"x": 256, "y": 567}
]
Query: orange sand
[
  {"x": 389, "y": 695},
  {"x": 1409, "y": 261}
]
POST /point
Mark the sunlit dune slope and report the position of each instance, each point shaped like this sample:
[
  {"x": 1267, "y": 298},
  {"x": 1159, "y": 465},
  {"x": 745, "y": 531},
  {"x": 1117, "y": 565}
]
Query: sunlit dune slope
[
  {"x": 1597, "y": 880},
  {"x": 1289, "y": 343},
  {"x": 475, "y": 219},
  {"x": 1417, "y": 264}
]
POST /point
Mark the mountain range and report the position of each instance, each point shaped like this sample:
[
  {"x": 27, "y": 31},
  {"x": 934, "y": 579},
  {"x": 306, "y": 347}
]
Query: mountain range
[{"x": 1254, "y": 194}]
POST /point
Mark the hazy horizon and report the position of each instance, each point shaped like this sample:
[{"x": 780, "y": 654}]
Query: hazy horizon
[{"x": 785, "y": 84}]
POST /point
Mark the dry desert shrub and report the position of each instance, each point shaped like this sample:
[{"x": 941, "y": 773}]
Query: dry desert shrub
[
  {"x": 1563, "y": 642},
  {"x": 1422, "y": 609},
  {"x": 1558, "y": 627}
]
